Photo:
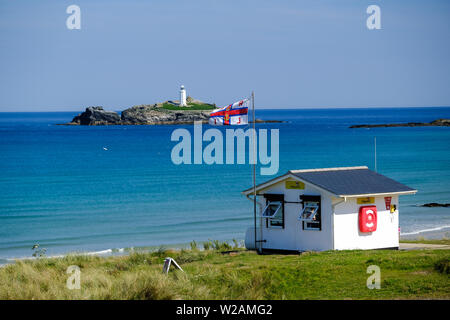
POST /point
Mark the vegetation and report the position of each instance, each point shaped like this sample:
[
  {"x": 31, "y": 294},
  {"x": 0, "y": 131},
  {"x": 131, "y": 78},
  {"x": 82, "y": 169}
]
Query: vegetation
[
  {"x": 224, "y": 271},
  {"x": 38, "y": 252},
  {"x": 191, "y": 106}
]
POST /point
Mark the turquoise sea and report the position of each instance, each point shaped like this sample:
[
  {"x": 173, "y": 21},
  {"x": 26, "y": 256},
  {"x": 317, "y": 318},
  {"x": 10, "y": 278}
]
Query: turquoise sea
[{"x": 60, "y": 188}]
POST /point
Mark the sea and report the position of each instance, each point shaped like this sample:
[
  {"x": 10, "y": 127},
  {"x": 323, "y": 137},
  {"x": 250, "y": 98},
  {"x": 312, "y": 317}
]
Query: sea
[{"x": 106, "y": 189}]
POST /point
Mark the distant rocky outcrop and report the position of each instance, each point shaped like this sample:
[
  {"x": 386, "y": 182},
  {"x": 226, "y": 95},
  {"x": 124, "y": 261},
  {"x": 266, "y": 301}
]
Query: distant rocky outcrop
[
  {"x": 94, "y": 116},
  {"x": 436, "y": 123},
  {"x": 434, "y": 204},
  {"x": 167, "y": 112}
]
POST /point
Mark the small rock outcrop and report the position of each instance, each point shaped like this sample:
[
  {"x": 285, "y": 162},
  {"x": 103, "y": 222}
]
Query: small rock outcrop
[
  {"x": 440, "y": 122},
  {"x": 94, "y": 116},
  {"x": 434, "y": 205},
  {"x": 435, "y": 123}
]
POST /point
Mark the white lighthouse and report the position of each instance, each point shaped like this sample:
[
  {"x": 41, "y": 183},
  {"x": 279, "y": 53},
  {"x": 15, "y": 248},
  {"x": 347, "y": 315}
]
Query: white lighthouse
[{"x": 183, "y": 97}]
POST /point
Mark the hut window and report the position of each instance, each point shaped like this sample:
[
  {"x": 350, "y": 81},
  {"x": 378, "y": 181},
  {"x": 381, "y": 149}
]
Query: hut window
[
  {"x": 274, "y": 214},
  {"x": 309, "y": 212},
  {"x": 310, "y": 216}
]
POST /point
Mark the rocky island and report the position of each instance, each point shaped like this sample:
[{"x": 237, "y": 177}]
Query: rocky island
[
  {"x": 168, "y": 112},
  {"x": 435, "y": 123},
  {"x": 434, "y": 205}
]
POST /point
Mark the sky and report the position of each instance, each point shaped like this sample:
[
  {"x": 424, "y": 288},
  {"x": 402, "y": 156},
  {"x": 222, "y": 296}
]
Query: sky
[{"x": 293, "y": 54}]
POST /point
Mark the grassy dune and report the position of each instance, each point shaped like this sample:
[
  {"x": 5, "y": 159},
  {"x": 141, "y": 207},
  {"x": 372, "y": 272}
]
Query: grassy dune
[{"x": 210, "y": 274}]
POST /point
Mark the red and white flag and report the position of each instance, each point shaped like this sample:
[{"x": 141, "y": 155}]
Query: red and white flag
[{"x": 235, "y": 114}]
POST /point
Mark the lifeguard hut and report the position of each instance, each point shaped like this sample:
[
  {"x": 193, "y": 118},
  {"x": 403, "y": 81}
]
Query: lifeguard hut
[{"x": 327, "y": 209}]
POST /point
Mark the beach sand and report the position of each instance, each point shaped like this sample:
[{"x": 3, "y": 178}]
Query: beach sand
[{"x": 430, "y": 235}]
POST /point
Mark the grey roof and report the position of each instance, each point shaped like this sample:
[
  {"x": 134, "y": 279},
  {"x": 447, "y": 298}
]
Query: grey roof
[{"x": 351, "y": 181}]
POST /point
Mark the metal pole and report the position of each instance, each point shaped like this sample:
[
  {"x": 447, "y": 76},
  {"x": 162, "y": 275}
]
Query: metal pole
[
  {"x": 375, "y": 154},
  {"x": 254, "y": 169}
]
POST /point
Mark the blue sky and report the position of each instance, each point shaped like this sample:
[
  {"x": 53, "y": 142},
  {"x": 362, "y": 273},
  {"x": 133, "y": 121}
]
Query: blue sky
[{"x": 308, "y": 54}]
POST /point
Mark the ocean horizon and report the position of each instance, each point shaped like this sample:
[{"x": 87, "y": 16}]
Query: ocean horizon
[{"x": 108, "y": 189}]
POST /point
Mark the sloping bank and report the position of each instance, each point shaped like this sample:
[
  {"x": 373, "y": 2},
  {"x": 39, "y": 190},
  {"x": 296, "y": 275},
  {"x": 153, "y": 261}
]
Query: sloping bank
[{"x": 234, "y": 274}]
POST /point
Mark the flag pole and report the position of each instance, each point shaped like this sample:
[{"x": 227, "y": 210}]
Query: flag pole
[
  {"x": 375, "y": 153},
  {"x": 254, "y": 169}
]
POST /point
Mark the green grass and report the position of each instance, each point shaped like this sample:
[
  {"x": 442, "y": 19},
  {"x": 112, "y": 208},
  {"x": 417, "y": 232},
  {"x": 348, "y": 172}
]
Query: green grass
[
  {"x": 239, "y": 274},
  {"x": 190, "y": 106}
]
